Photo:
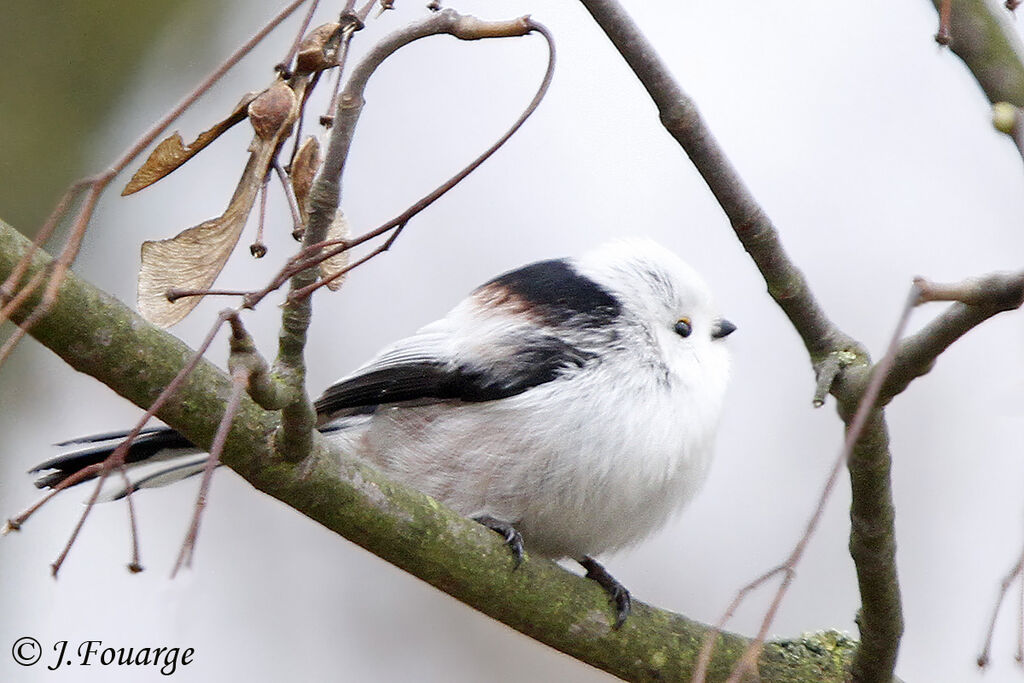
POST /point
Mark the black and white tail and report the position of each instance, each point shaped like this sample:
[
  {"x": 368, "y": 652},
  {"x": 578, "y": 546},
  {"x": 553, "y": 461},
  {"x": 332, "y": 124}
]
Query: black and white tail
[{"x": 180, "y": 459}]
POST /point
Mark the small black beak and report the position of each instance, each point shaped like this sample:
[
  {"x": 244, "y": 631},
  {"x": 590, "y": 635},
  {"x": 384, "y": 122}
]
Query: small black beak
[{"x": 723, "y": 328}]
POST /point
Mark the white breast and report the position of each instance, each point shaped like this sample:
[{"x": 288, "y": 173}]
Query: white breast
[{"x": 581, "y": 465}]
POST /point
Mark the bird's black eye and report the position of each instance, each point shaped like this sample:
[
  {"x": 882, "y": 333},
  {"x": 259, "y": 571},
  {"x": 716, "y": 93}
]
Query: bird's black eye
[{"x": 683, "y": 327}]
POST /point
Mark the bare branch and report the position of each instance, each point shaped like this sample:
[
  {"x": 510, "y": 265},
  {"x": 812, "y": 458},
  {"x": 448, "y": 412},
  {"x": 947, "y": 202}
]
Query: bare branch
[
  {"x": 1013, "y": 576},
  {"x": 135, "y": 566},
  {"x": 871, "y": 541},
  {"x": 267, "y": 393},
  {"x": 63, "y": 261},
  {"x": 239, "y": 379},
  {"x": 979, "y": 35},
  {"x": 855, "y": 430},
  {"x": 116, "y": 459},
  {"x": 754, "y": 229},
  {"x": 977, "y": 301}
]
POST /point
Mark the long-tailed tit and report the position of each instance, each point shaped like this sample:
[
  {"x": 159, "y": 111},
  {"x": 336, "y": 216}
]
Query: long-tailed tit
[{"x": 570, "y": 405}]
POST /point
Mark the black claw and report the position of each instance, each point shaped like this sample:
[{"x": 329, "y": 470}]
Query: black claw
[
  {"x": 617, "y": 593},
  {"x": 512, "y": 537}
]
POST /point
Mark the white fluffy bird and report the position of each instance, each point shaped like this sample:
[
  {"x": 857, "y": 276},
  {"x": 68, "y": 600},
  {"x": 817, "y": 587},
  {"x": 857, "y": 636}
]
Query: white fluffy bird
[{"x": 570, "y": 405}]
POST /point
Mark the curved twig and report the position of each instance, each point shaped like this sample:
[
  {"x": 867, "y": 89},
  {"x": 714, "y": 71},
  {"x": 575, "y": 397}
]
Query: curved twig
[{"x": 398, "y": 222}]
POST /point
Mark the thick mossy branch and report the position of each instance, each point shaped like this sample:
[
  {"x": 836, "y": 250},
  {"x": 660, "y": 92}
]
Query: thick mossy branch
[{"x": 98, "y": 335}]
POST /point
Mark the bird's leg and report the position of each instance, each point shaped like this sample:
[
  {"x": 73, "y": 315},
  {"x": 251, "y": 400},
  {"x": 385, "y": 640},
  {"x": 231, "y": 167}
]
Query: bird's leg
[
  {"x": 512, "y": 537},
  {"x": 616, "y": 591}
]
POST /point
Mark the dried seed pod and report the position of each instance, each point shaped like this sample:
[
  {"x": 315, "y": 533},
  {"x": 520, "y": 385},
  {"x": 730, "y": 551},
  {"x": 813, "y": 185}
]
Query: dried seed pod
[
  {"x": 317, "y": 49},
  {"x": 304, "y": 167},
  {"x": 272, "y": 110}
]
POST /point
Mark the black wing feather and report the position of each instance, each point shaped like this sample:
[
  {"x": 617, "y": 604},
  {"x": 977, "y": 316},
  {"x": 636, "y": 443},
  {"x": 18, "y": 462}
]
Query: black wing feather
[{"x": 421, "y": 380}]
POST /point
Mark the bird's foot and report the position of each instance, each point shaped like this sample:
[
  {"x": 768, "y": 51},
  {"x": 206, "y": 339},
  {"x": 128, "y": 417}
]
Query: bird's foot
[
  {"x": 512, "y": 537},
  {"x": 617, "y": 593}
]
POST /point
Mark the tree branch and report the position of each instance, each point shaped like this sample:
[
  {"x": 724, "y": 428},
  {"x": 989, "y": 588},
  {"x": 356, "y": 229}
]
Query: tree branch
[
  {"x": 98, "y": 335},
  {"x": 979, "y": 35},
  {"x": 976, "y": 302},
  {"x": 754, "y": 229},
  {"x": 872, "y": 534}
]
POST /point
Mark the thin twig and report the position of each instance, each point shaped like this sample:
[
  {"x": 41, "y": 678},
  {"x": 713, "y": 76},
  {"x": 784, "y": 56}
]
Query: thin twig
[
  {"x": 239, "y": 378},
  {"x": 284, "y": 66},
  {"x": 14, "y": 523},
  {"x": 399, "y": 222},
  {"x": 353, "y": 25},
  {"x": 1013, "y": 575},
  {"x": 59, "y": 266},
  {"x": 56, "y": 564},
  {"x": 258, "y": 248},
  {"x": 314, "y": 253},
  {"x": 700, "y": 671},
  {"x": 13, "y": 303},
  {"x": 365, "y": 11},
  {"x": 135, "y": 566},
  {"x": 289, "y": 193},
  {"x": 175, "y": 294}
]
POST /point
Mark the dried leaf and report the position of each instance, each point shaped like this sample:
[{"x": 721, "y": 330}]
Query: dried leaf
[
  {"x": 339, "y": 230},
  {"x": 317, "y": 49},
  {"x": 171, "y": 153},
  {"x": 304, "y": 168}
]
